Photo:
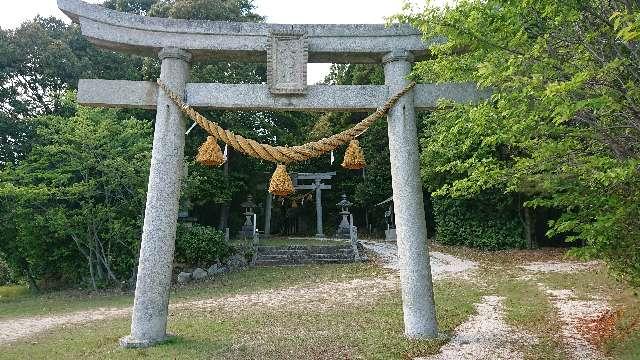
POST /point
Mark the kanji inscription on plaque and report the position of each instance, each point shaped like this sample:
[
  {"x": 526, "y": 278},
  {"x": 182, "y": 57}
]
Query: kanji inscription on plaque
[{"x": 287, "y": 57}]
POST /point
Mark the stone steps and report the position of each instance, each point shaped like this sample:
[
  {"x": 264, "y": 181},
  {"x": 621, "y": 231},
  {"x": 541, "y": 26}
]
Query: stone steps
[
  {"x": 289, "y": 262},
  {"x": 304, "y": 254}
]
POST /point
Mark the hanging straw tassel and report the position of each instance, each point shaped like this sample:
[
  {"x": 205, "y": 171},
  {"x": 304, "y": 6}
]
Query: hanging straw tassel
[
  {"x": 354, "y": 157},
  {"x": 281, "y": 184},
  {"x": 210, "y": 154}
]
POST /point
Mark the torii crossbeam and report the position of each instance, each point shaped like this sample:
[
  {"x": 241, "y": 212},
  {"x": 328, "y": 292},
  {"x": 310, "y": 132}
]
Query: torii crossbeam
[{"x": 287, "y": 49}]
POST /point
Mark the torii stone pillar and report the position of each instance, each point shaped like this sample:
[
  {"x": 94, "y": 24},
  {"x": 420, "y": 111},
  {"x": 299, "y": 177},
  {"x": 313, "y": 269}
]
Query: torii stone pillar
[
  {"x": 413, "y": 256},
  {"x": 150, "y": 307}
]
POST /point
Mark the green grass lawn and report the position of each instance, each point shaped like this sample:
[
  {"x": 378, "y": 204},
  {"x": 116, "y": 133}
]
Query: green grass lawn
[
  {"x": 372, "y": 331},
  {"x": 358, "y": 332},
  {"x": 13, "y": 292},
  {"x": 248, "y": 281}
]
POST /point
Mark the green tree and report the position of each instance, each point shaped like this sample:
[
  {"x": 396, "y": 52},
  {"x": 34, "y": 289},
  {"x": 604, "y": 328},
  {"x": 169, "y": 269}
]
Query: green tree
[
  {"x": 138, "y": 7},
  {"x": 73, "y": 208},
  {"x": 47, "y": 58},
  {"x": 562, "y": 127},
  {"x": 39, "y": 61},
  {"x": 221, "y": 10}
]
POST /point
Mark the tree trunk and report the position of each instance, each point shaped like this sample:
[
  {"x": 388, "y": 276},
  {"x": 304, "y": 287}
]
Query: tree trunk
[
  {"x": 97, "y": 262},
  {"x": 93, "y": 278},
  {"x": 530, "y": 228},
  {"x": 103, "y": 259},
  {"x": 33, "y": 286}
]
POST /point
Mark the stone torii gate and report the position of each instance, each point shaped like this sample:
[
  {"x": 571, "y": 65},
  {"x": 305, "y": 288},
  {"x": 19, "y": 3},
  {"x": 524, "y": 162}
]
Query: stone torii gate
[
  {"x": 318, "y": 186},
  {"x": 287, "y": 50}
]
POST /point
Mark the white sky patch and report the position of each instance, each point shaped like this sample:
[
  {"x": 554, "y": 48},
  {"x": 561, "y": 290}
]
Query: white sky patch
[
  {"x": 15, "y": 12},
  {"x": 276, "y": 11}
]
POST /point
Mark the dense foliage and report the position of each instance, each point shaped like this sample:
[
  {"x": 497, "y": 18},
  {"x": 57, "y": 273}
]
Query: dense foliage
[
  {"x": 200, "y": 245},
  {"x": 39, "y": 61},
  {"x": 486, "y": 222},
  {"x": 76, "y": 201},
  {"x": 562, "y": 128},
  {"x": 6, "y": 275}
]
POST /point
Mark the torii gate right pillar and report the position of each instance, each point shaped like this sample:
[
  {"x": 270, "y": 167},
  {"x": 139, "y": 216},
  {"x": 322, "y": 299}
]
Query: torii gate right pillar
[{"x": 411, "y": 228}]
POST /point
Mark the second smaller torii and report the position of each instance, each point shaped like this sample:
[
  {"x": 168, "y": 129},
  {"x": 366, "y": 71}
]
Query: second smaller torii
[{"x": 318, "y": 186}]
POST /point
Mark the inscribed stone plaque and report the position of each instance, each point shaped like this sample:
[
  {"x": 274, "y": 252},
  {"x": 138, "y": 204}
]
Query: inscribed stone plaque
[{"x": 287, "y": 57}]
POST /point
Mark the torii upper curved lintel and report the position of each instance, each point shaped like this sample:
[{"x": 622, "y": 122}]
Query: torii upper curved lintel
[{"x": 239, "y": 41}]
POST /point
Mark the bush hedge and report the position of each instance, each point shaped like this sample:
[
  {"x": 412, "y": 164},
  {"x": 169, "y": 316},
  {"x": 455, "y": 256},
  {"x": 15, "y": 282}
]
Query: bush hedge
[
  {"x": 489, "y": 221},
  {"x": 199, "y": 245}
]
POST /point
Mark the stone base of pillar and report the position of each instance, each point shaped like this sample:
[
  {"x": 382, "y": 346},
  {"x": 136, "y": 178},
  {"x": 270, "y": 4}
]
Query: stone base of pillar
[
  {"x": 129, "y": 342},
  {"x": 320, "y": 236}
]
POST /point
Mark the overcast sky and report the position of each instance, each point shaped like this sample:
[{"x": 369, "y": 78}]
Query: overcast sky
[{"x": 15, "y": 12}]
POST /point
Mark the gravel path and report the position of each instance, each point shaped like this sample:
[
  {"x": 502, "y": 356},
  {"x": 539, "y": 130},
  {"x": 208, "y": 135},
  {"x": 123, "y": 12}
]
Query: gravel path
[
  {"x": 572, "y": 312},
  {"x": 317, "y": 297},
  {"x": 485, "y": 336},
  {"x": 559, "y": 266},
  {"x": 15, "y": 329},
  {"x": 442, "y": 265}
]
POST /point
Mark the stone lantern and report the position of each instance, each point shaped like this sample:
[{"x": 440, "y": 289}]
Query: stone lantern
[
  {"x": 248, "y": 228},
  {"x": 344, "y": 227}
]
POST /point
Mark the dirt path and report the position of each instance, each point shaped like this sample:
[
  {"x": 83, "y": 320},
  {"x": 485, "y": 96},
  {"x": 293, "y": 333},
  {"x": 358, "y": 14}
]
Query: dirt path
[
  {"x": 15, "y": 329},
  {"x": 442, "y": 265},
  {"x": 485, "y": 336},
  {"x": 317, "y": 297},
  {"x": 572, "y": 312}
]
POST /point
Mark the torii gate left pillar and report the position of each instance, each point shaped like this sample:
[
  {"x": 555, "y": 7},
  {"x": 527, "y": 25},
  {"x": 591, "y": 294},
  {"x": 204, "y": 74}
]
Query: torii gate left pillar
[{"x": 151, "y": 304}]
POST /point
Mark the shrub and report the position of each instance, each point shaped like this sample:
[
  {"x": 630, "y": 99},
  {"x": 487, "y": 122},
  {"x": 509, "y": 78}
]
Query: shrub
[
  {"x": 6, "y": 276},
  {"x": 488, "y": 222},
  {"x": 200, "y": 245}
]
